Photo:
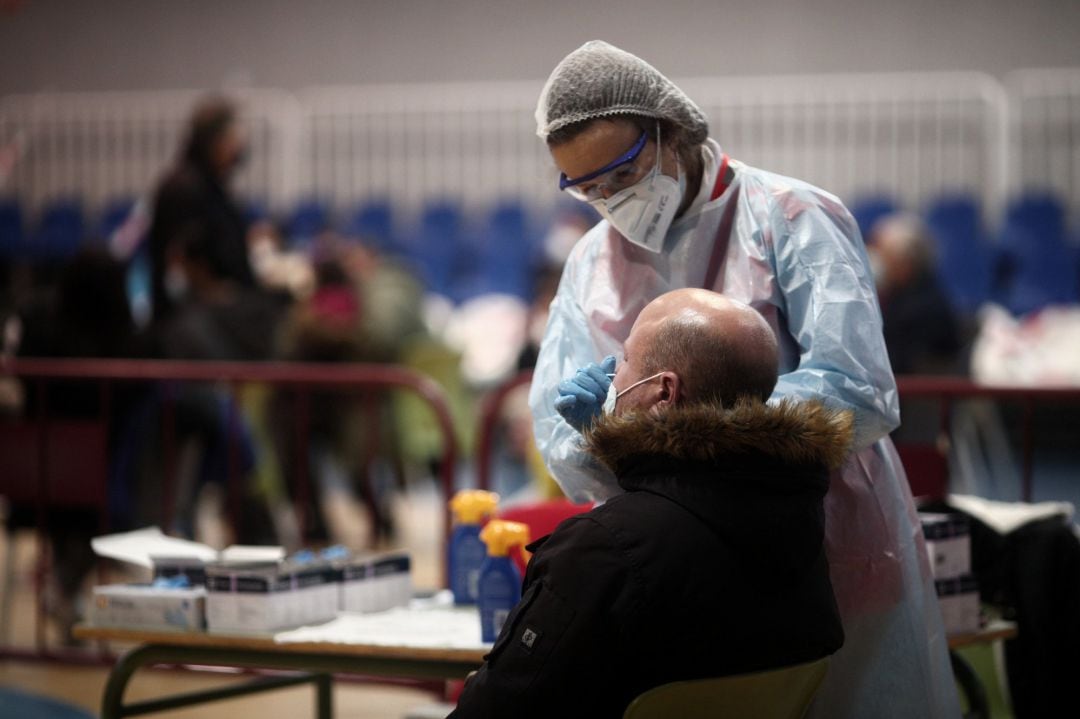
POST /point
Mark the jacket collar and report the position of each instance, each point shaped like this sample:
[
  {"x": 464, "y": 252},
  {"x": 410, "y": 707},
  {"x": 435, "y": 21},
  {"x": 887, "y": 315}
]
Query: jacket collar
[{"x": 791, "y": 432}]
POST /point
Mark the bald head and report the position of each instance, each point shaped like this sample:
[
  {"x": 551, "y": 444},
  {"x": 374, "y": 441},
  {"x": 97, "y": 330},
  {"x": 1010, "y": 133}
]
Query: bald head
[{"x": 718, "y": 348}]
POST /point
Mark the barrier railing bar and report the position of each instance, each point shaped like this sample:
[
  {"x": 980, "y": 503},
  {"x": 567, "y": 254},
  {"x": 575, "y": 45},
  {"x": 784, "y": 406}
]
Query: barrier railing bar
[
  {"x": 489, "y": 416},
  {"x": 303, "y": 481},
  {"x": 41, "y": 514}
]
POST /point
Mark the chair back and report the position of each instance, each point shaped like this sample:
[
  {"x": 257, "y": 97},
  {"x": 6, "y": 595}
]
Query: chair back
[
  {"x": 541, "y": 518},
  {"x": 775, "y": 694}
]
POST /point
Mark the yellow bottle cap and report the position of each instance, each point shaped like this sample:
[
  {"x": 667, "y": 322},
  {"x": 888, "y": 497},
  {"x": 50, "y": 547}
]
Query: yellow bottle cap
[
  {"x": 471, "y": 506},
  {"x": 499, "y": 535}
]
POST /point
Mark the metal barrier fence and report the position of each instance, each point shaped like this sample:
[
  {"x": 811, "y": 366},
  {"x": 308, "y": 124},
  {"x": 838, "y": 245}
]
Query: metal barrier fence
[
  {"x": 98, "y": 147},
  {"x": 909, "y": 136},
  {"x": 913, "y": 136},
  {"x": 46, "y": 464},
  {"x": 468, "y": 142},
  {"x": 1044, "y": 127}
]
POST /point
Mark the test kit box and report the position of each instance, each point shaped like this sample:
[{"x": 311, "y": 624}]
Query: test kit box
[
  {"x": 948, "y": 544},
  {"x": 260, "y": 597},
  {"x": 376, "y": 583},
  {"x": 144, "y": 606},
  {"x": 958, "y": 598}
]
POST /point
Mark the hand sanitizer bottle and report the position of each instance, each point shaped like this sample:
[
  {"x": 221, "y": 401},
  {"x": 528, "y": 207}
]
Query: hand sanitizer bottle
[
  {"x": 471, "y": 508},
  {"x": 500, "y": 581}
]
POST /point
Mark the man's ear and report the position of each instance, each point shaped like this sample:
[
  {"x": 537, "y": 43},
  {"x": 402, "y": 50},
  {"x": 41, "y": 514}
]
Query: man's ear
[{"x": 670, "y": 391}]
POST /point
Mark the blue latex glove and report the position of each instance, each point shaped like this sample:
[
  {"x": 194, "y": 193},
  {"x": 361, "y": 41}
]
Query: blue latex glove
[{"x": 581, "y": 397}]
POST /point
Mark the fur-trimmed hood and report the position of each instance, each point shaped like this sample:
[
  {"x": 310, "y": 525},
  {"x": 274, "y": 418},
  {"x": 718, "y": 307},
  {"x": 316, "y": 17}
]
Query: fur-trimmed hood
[
  {"x": 755, "y": 474},
  {"x": 792, "y": 432}
]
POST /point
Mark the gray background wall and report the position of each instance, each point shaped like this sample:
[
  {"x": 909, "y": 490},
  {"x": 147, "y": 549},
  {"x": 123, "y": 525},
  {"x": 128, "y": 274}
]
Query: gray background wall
[{"x": 144, "y": 44}]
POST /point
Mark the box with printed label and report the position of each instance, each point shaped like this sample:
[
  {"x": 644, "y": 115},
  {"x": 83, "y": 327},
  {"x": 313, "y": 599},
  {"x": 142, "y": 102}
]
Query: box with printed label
[
  {"x": 146, "y": 606},
  {"x": 377, "y": 583},
  {"x": 959, "y": 601},
  {"x": 948, "y": 544},
  {"x": 257, "y": 597}
]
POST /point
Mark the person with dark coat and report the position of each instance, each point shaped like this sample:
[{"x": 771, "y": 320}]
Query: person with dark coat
[
  {"x": 711, "y": 563},
  {"x": 922, "y": 332},
  {"x": 195, "y": 193}
]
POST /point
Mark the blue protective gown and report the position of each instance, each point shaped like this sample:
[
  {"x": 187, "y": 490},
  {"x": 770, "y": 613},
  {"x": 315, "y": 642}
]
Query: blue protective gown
[{"x": 794, "y": 253}]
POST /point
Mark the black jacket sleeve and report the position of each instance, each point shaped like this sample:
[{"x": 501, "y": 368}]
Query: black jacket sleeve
[{"x": 558, "y": 654}]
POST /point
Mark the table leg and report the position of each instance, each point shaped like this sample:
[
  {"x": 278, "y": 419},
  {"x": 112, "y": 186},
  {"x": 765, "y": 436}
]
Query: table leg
[
  {"x": 324, "y": 696},
  {"x": 978, "y": 706},
  {"x": 112, "y": 702}
]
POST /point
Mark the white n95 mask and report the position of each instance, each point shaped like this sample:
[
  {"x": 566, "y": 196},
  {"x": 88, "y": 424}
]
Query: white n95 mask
[{"x": 643, "y": 212}]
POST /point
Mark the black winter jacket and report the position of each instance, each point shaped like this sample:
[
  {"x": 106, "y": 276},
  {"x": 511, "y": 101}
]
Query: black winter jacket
[
  {"x": 710, "y": 564},
  {"x": 189, "y": 199}
]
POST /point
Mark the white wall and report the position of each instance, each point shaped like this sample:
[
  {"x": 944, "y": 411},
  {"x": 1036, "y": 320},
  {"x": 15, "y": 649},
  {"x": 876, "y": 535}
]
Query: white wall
[{"x": 144, "y": 44}]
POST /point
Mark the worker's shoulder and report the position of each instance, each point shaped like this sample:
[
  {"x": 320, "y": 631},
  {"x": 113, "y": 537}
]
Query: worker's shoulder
[{"x": 790, "y": 197}]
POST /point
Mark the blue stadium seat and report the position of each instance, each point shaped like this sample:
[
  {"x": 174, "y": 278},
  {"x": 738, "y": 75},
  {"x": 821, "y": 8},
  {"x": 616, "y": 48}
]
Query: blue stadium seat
[
  {"x": 372, "y": 223},
  {"x": 503, "y": 255},
  {"x": 437, "y": 247},
  {"x": 12, "y": 228},
  {"x": 60, "y": 231},
  {"x": 1038, "y": 265},
  {"x": 870, "y": 209},
  {"x": 255, "y": 210},
  {"x": 308, "y": 220},
  {"x": 964, "y": 255}
]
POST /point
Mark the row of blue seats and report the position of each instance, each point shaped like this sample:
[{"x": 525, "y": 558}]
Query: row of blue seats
[
  {"x": 1028, "y": 262},
  {"x": 454, "y": 254},
  {"x": 1025, "y": 264},
  {"x": 60, "y": 231}
]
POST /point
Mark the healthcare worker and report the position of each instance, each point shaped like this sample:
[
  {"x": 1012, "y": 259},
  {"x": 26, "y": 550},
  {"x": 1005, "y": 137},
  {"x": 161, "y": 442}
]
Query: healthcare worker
[{"x": 679, "y": 212}]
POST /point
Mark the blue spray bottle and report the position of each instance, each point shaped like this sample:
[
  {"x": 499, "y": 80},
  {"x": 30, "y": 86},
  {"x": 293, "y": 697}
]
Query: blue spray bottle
[
  {"x": 471, "y": 508},
  {"x": 500, "y": 580}
]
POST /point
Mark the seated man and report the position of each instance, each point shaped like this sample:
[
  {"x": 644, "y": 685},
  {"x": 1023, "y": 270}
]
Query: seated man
[{"x": 711, "y": 563}]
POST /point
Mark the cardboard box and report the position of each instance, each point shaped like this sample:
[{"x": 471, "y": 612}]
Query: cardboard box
[
  {"x": 959, "y": 601},
  {"x": 261, "y": 597},
  {"x": 948, "y": 544},
  {"x": 377, "y": 583},
  {"x": 144, "y": 606}
]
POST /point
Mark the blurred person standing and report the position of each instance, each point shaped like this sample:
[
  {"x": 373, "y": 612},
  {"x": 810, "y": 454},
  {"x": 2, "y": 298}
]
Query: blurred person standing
[
  {"x": 197, "y": 190},
  {"x": 207, "y": 305},
  {"x": 679, "y": 212}
]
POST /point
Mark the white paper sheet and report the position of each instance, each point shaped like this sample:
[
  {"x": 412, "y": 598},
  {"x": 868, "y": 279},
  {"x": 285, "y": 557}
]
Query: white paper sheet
[
  {"x": 139, "y": 546},
  {"x": 252, "y": 553},
  {"x": 427, "y": 623}
]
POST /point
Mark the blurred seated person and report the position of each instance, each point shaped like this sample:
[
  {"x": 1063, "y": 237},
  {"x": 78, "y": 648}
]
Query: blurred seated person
[
  {"x": 196, "y": 189},
  {"x": 326, "y": 327},
  {"x": 922, "y": 334},
  {"x": 85, "y": 315},
  {"x": 712, "y": 562}
]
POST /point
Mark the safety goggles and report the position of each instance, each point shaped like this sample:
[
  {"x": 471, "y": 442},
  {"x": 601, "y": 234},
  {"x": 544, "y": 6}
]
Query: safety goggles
[{"x": 620, "y": 173}]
